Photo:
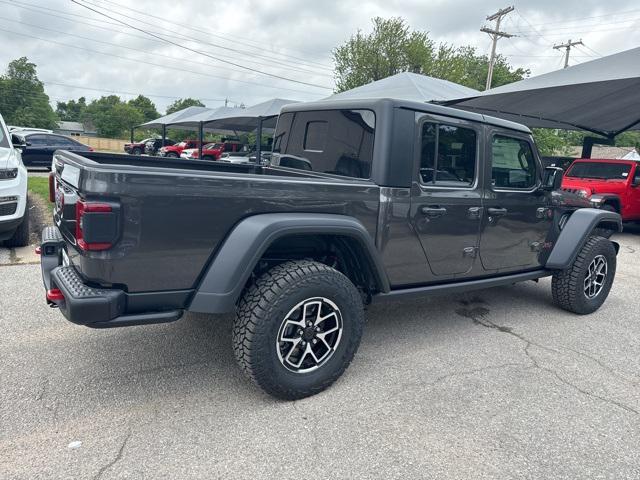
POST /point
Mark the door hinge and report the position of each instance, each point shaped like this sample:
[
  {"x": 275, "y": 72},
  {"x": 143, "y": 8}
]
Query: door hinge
[{"x": 470, "y": 252}]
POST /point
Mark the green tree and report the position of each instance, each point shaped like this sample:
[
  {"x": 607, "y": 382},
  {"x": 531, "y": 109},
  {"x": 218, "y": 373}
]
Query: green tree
[
  {"x": 72, "y": 110},
  {"x": 111, "y": 117},
  {"x": 183, "y": 103},
  {"x": 22, "y": 98},
  {"x": 145, "y": 106},
  {"x": 392, "y": 47}
]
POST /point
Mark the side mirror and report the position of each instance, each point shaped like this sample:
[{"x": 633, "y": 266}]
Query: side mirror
[
  {"x": 17, "y": 141},
  {"x": 636, "y": 180},
  {"x": 552, "y": 179}
]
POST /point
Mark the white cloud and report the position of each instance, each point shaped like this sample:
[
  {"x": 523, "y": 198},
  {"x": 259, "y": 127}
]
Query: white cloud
[{"x": 269, "y": 35}]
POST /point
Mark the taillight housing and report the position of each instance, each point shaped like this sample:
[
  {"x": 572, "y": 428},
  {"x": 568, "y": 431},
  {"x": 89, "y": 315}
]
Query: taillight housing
[
  {"x": 103, "y": 225},
  {"x": 52, "y": 187}
]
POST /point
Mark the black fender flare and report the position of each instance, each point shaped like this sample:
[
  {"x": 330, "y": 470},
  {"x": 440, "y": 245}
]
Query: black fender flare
[
  {"x": 232, "y": 265},
  {"x": 576, "y": 232},
  {"x": 599, "y": 199}
]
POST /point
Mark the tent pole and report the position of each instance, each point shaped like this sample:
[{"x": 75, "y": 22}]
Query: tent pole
[
  {"x": 201, "y": 139},
  {"x": 259, "y": 141},
  {"x": 164, "y": 135}
]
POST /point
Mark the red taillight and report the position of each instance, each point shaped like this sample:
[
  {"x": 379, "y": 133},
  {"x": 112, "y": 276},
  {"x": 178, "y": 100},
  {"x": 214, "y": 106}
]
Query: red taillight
[
  {"x": 87, "y": 207},
  {"x": 91, "y": 149},
  {"x": 52, "y": 187},
  {"x": 55, "y": 295}
]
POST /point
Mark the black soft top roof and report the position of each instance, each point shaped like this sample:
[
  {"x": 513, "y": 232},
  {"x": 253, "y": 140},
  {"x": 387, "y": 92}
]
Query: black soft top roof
[{"x": 382, "y": 103}]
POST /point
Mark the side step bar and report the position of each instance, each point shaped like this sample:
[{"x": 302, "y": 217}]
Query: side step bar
[{"x": 459, "y": 287}]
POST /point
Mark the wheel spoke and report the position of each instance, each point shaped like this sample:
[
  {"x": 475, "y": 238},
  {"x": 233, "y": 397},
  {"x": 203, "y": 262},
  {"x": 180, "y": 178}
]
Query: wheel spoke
[
  {"x": 596, "y": 276},
  {"x": 309, "y": 334}
]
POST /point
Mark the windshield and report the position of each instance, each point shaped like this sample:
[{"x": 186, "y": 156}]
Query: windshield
[
  {"x": 209, "y": 146},
  {"x": 182, "y": 144},
  {"x": 604, "y": 171}
]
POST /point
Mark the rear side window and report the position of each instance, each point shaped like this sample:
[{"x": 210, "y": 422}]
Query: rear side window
[
  {"x": 338, "y": 142},
  {"x": 448, "y": 155},
  {"x": 512, "y": 163}
]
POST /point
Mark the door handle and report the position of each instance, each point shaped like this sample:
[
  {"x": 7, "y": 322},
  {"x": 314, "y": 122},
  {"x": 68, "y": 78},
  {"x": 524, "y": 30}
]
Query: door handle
[
  {"x": 433, "y": 212},
  {"x": 497, "y": 212}
]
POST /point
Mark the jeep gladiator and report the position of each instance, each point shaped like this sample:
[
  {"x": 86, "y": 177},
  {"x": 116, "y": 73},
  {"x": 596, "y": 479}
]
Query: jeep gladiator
[{"x": 363, "y": 201}]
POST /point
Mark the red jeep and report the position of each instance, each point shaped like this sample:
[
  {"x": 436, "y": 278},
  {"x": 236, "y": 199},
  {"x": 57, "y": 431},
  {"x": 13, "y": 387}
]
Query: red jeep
[
  {"x": 213, "y": 151},
  {"x": 174, "y": 151},
  {"x": 609, "y": 184}
]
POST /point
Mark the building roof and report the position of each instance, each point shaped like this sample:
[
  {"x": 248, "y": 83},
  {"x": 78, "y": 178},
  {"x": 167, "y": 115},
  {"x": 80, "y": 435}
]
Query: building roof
[{"x": 71, "y": 126}]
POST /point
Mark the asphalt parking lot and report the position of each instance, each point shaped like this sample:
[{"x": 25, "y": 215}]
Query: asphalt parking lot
[{"x": 496, "y": 384}]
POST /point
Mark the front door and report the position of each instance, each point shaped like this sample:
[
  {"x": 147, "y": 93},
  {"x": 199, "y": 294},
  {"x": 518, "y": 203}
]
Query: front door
[
  {"x": 446, "y": 202},
  {"x": 516, "y": 218}
]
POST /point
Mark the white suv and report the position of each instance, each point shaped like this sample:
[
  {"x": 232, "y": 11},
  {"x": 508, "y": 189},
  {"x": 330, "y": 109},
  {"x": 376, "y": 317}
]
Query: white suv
[{"x": 14, "y": 214}]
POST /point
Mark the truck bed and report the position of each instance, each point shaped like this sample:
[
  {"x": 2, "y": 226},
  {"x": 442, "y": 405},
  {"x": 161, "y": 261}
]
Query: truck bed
[{"x": 173, "y": 213}]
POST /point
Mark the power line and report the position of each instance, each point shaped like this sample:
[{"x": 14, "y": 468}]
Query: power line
[
  {"x": 170, "y": 97},
  {"x": 191, "y": 27},
  {"x": 179, "y": 69},
  {"x": 571, "y": 20},
  {"x": 495, "y": 35},
  {"x": 193, "y": 50},
  {"x": 39, "y": 10},
  {"x": 146, "y": 52}
]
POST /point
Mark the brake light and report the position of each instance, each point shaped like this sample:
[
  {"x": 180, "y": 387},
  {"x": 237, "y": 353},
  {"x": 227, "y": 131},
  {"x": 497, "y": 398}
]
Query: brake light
[
  {"x": 52, "y": 187},
  {"x": 83, "y": 207},
  {"x": 91, "y": 149}
]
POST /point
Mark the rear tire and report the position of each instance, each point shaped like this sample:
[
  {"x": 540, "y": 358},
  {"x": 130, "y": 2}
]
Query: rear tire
[
  {"x": 20, "y": 237},
  {"x": 172, "y": 155},
  {"x": 272, "y": 333},
  {"x": 585, "y": 285}
]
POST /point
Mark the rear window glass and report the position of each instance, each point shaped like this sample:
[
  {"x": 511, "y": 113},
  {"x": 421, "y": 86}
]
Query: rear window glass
[
  {"x": 606, "y": 171},
  {"x": 338, "y": 142}
]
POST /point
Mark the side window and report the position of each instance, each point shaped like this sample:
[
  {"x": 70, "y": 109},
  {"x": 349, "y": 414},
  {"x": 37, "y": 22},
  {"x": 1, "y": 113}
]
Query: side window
[
  {"x": 37, "y": 140},
  {"x": 512, "y": 163},
  {"x": 337, "y": 142},
  {"x": 447, "y": 155}
]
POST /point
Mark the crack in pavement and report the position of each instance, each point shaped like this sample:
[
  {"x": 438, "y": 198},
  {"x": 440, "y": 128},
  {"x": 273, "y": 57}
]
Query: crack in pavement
[
  {"x": 116, "y": 459},
  {"x": 477, "y": 316}
]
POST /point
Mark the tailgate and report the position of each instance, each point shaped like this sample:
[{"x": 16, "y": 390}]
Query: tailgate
[{"x": 89, "y": 224}]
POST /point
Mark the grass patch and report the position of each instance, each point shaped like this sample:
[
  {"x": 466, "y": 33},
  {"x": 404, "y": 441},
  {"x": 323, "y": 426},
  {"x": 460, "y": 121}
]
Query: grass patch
[{"x": 40, "y": 186}]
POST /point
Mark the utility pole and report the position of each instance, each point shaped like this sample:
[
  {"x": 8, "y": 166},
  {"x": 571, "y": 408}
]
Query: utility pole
[
  {"x": 226, "y": 102},
  {"x": 495, "y": 35},
  {"x": 567, "y": 46}
]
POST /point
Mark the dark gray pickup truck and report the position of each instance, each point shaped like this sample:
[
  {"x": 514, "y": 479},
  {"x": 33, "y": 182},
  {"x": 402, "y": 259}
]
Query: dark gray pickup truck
[{"x": 363, "y": 201}]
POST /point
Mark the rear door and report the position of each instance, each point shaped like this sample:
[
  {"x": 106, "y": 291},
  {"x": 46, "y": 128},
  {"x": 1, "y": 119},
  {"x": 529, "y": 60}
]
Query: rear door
[
  {"x": 516, "y": 217},
  {"x": 446, "y": 201}
]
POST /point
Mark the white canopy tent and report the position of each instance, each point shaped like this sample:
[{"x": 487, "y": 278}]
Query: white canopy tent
[
  {"x": 408, "y": 86},
  {"x": 255, "y": 118}
]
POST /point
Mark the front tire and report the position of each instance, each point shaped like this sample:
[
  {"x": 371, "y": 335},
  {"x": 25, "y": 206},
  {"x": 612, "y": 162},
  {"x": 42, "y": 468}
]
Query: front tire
[
  {"x": 20, "y": 237},
  {"x": 585, "y": 285},
  {"x": 297, "y": 329},
  {"x": 136, "y": 151}
]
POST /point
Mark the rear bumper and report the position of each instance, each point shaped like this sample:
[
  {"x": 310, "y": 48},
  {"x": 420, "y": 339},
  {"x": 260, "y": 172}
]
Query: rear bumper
[{"x": 84, "y": 304}]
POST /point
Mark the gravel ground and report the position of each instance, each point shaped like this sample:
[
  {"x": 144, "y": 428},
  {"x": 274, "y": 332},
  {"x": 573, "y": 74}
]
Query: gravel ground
[{"x": 496, "y": 384}]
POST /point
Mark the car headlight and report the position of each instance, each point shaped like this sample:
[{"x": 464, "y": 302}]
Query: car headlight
[
  {"x": 9, "y": 174},
  {"x": 582, "y": 193}
]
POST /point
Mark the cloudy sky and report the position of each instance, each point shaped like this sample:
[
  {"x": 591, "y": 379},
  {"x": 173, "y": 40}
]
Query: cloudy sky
[{"x": 259, "y": 49}]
